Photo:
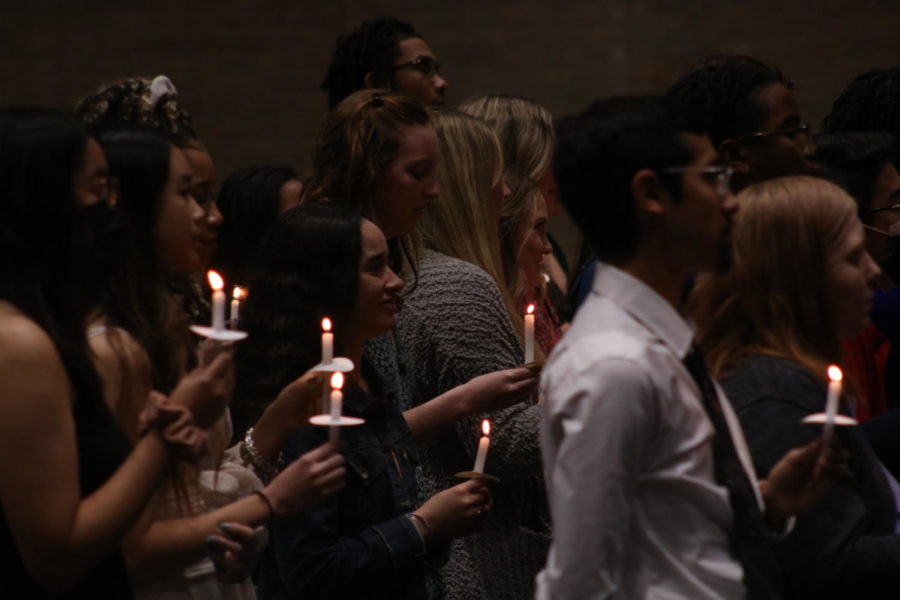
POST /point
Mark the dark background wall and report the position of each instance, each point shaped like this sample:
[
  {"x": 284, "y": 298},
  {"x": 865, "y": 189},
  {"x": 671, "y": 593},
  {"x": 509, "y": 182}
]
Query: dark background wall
[{"x": 249, "y": 71}]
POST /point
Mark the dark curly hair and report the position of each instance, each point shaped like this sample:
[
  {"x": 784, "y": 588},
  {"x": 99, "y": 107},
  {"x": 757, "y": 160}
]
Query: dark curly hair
[
  {"x": 307, "y": 269},
  {"x": 370, "y": 48},
  {"x": 249, "y": 202},
  {"x": 854, "y": 160},
  {"x": 720, "y": 92},
  {"x": 870, "y": 103}
]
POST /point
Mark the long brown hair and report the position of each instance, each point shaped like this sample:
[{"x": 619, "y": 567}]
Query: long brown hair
[{"x": 772, "y": 298}]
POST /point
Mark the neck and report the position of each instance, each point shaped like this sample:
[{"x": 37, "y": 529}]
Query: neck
[
  {"x": 353, "y": 349},
  {"x": 658, "y": 271}
]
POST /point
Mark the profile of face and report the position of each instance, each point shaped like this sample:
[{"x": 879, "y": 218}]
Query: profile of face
[
  {"x": 547, "y": 183},
  {"x": 700, "y": 222},
  {"x": 203, "y": 184},
  {"x": 534, "y": 245},
  {"x": 378, "y": 292},
  {"x": 410, "y": 182},
  {"x": 499, "y": 193},
  {"x": 92, "y": 183},
  {"x": 416, "y": 73},
  {"x": 884, "y": 220},
  {"x": 179, "y": 230},
  {"x": 850, "y": 281},
  {"x": 781, "y": 145}
]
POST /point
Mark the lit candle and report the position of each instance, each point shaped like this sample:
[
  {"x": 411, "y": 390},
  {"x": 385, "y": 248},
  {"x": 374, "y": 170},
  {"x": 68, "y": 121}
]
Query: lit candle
[
  {"x": 327, "y": 341},
  {"x": 337, "y": 401},
  {"x": 529, "y": 334},
  {"x": 218, "y": 300},
  {"x": 835, "y": 376},
  {"x": 236, "y": 305},
  {"x": 483, "y": 444}
]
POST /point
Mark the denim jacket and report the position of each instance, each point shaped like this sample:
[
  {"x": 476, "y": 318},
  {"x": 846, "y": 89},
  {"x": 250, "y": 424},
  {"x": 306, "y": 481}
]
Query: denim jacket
[{"x": 359, "y": 543}]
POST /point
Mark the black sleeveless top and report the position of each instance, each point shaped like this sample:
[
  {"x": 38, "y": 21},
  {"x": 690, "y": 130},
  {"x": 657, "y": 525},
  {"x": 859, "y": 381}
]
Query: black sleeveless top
[{"x": 102, "y": 447}]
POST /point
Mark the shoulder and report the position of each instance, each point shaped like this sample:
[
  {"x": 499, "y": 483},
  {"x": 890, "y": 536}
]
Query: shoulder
[
  {"x": 440, "y": 270},
  {"x": 115, "y": 346},
  {"x": 761, "y": 380},
  {"x": 24, "y": 343}
]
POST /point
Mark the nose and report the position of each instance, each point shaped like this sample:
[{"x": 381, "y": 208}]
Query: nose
[
  {"x": 433, "y": 190},
  {"x": 214, "y": 218},
  {"x": 874, "y": 269},
  {"x": 440, "y": 84},
  {"x": 729, "y": 203},
  {"x": 507, "y": 193},
  {"x": 393, "y": 283},
  {"x": 547, "y": 249}
]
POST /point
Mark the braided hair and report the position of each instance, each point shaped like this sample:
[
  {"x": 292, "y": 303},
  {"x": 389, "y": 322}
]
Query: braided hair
[
  {"x": 719, "y": 91},
  {"x": 370, "y": 48}
]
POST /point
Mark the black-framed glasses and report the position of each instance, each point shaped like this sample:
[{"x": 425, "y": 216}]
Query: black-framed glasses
[
  {"x": 884, "y": 208},
  {"x": 788, "y": 132},
  {"x": 425, "y": 65},
  {"x": 718, "y": 175}
]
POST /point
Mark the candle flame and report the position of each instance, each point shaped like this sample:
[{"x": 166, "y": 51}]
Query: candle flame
[
  {"x": 238, "y": 292},
  {"x": 326, "y": 324},
  {"x": 834, "y": 373},
  {"x": 337, "y": 380},
  {"x": 486, "y": 427},
  {"x": 215, "y": 280},
  {"x": 530, "y": 309}
]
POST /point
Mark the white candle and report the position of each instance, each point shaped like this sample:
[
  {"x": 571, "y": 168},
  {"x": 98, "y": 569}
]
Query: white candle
[
  {"x": 337, "y": 401},
  {"x": 218, "y": 300},
  {"x": 835, "y": 377},
  {"x": 483, "y": 444},
  {"x": 236, "y": 306},
  {"x": 327, "y": 341},
  {"x": 529, "y": 333}
]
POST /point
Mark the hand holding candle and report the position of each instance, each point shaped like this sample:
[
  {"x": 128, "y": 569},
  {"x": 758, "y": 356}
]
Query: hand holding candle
[
  {"x": 835, "y": 377},
  {"x": 337, "y": 401},
  {"x": 218, "y": 300},
  {"x": 483, "y": 444},
  {"x": 327, "y": 341},
  {"x": 529, "y": 334}
]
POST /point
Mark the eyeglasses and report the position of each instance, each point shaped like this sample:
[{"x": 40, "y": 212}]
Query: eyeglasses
[
  {"x": 883, "y": 208},
  {"x": 425, "y": 65},
  {"x": 788, "y": 132},
  {"x": 718, "y": 175}
]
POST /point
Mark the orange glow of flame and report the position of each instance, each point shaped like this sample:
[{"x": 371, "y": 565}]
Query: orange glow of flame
[
  {"x": 215, "y": 280},
  {"x": 238, "y": 292},
  {"x": 530, "y": 309},
  {"x": 486, "y": 427},
  {"x": 337, "y": 380},
  {"x": 326, "y": 325},
  {"x": 834, "y": 373}
]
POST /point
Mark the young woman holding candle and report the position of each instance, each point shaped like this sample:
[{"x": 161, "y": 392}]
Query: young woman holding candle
[
  {"x": 523, "y": 246},
  {"x": 140, "y": 339},
  {"x": 800, "y": 281},
  {"x": 369, "y": 541},
  {"x": 460, "y": 321},
  {"x": 71, "y": 484},
  {"x": 377, "y": 153}
]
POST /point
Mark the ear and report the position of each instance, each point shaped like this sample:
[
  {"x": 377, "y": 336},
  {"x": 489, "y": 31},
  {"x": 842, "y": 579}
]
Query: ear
[
  {"x": 650, "y": 195},
  {"x": 369, "y": 80},
  {"x": 734, "y": 154}
]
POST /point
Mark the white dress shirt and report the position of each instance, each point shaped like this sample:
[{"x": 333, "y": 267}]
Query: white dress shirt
[{"x": 627, "y": 450}]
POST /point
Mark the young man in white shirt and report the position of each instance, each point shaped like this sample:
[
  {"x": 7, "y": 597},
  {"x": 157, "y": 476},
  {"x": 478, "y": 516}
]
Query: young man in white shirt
[{"x": 635, "y": 444}]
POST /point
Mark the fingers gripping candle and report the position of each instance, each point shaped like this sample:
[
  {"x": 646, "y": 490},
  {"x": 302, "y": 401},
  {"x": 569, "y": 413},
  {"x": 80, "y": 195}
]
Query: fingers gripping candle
[{"x": 483, "y": 444}]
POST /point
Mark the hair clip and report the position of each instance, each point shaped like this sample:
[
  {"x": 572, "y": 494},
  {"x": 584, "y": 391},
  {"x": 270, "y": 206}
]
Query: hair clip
[
  {"x": 161, "y": 88},
  {"x": 377, "y": 100}
]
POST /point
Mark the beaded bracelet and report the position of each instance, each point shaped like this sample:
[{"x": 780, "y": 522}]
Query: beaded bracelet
[
  {"x": 265, "y": 469},
  {"x": 269, "y": 505}
]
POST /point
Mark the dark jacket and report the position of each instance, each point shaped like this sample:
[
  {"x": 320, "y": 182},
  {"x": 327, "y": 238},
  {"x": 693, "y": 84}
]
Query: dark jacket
[
  {"x": 360, "y": 542},
  {"x": 846, "y": 548}
]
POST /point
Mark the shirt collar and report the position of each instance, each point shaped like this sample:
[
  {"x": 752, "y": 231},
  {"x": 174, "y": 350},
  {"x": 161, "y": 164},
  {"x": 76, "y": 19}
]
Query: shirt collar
[{"x": 646, "y": 306}]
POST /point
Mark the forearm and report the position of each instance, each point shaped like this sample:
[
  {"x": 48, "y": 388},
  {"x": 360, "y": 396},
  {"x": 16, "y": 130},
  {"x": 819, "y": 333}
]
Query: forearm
[
  {"x": 170, "y": 545},
  {"x": 272, "y": 432},
  {"x": 438, "y": 413}
]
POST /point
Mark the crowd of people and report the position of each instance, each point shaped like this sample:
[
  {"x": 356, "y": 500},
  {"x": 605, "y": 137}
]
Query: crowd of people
[{"x": 644, "y": 410}]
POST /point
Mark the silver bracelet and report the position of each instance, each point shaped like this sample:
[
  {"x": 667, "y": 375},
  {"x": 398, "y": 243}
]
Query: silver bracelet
[{"x": 265, "y": 469}]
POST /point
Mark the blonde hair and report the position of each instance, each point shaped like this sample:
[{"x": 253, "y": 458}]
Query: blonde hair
[
  {"x": 524, "y": 128},
  {"x": 515, "y": 216},
  {"x": 462, "y": 221},
  {"x": 772, "y": 298}
]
